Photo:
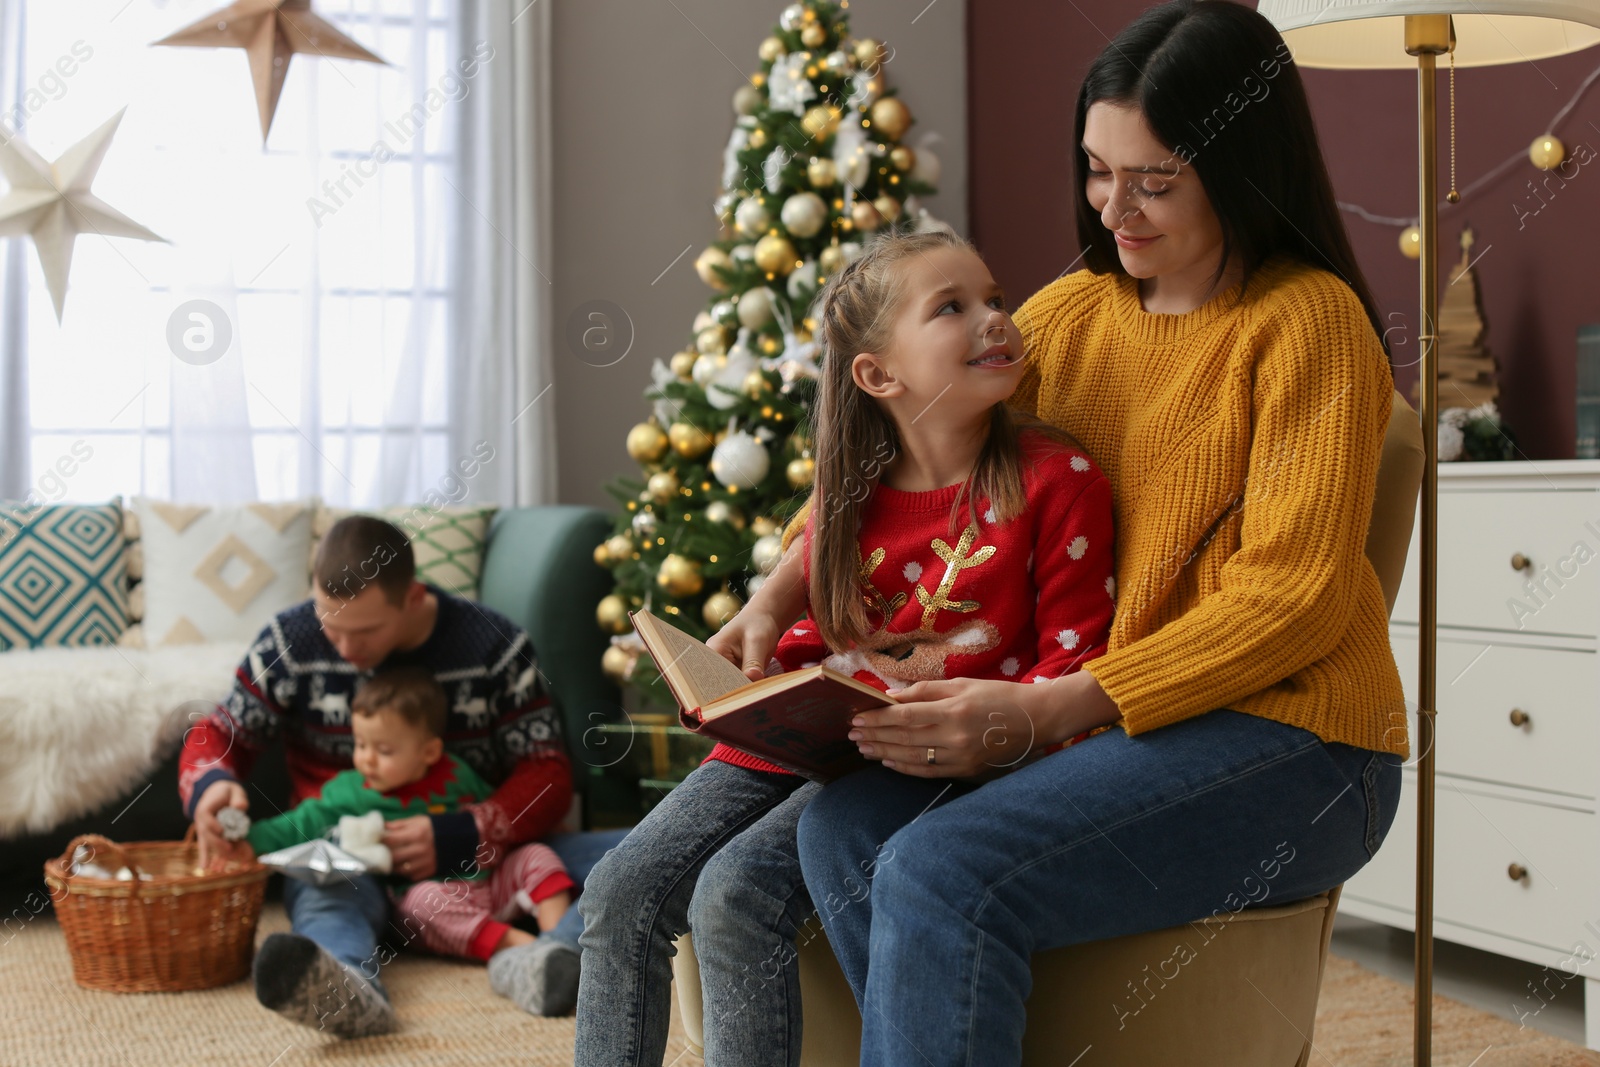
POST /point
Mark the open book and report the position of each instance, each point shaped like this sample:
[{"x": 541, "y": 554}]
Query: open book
[{"x": 798, "y": 719}]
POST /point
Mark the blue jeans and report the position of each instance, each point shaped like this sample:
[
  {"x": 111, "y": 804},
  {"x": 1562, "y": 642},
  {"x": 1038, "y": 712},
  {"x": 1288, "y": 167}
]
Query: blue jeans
[
  {"x": 935, "y": 895},
  {"x": 717, "y": 856},
  {"x": 348, "y": 918},
  {"x": 579, "y": 852},
  {"x": 345, "y": 918}
]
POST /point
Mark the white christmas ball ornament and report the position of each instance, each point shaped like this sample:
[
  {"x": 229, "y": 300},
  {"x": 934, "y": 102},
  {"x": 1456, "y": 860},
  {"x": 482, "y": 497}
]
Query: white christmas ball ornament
[
  {"x": 927, "y": 167},
  {"x": 753, "y": 586},
  {"x": 766, "y": 553},
  {"x": 706, "y": 368},
  {"x": 752, "y": 217},
  {"x": 745, "y": 253},
  {"x": 740, "y": 461},
  {"x": 702, "y": 319},
  {"x": 804, "y": 214},
  {"x": 851, "y": 250},
  {"x": 803, "y": 281},
  {"x": 755, "y": 307}
]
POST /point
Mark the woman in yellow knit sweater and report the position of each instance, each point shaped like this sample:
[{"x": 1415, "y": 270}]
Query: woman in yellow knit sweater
[{"x": 1220, "y": 359}]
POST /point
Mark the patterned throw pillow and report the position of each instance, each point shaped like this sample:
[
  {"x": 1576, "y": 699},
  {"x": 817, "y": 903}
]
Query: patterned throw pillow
[
  {"x": 62, "y": 578},
  {"x": 221, "y": 573},
  {"x": 447, "y": 542}
]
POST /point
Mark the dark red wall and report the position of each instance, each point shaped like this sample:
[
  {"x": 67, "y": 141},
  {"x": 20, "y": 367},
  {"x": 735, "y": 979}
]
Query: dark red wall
[{"x": 1538, "y": 273}]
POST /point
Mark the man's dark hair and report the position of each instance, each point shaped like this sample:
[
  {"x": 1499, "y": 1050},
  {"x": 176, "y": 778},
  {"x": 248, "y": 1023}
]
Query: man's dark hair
[
  {"x": 411, "y": 692},
  {"x": 359, "y": 551}
]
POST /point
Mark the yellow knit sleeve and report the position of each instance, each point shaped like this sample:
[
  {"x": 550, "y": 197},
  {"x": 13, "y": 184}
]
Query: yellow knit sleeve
[{"x": 1286, "y": 596}]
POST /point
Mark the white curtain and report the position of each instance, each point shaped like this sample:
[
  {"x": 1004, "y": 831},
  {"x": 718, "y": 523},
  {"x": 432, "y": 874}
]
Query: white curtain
[
  {"x": 500, "y": 327},
  {"x": 14, "y": 462},
  {"x": 378, "y": 261}
]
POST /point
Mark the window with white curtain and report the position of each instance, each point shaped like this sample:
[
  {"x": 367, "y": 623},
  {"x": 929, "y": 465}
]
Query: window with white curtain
[{"x": 326, "y": 249}]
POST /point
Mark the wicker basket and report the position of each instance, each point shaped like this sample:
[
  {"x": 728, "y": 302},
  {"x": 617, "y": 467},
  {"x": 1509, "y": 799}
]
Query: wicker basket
[{"x": 176, "y": 930}]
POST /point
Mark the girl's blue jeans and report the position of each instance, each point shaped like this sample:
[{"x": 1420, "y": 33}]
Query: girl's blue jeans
[
  {"x": 935, "y": 895},
  {"x": 716, "y": 857}
]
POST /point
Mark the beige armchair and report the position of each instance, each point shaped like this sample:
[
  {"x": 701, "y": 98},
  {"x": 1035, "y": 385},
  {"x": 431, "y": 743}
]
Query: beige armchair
[{"x": 1213, "y": 1015}]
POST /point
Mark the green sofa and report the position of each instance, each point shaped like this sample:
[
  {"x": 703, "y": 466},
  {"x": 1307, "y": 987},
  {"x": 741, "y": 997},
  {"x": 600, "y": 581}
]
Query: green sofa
[{"x": 538, "y": 571}]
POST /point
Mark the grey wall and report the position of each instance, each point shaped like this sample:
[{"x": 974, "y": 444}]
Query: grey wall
[{"x": 643, "y": 92}]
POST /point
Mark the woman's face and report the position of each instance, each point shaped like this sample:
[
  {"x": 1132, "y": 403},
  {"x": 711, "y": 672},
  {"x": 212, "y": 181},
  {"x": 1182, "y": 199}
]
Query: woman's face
[{"x": 1149, "y": 198}]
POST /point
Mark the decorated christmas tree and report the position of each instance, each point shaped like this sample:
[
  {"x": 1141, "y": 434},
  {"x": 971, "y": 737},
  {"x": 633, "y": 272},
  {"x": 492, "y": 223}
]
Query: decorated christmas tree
[{"x": 814, "y": 167}]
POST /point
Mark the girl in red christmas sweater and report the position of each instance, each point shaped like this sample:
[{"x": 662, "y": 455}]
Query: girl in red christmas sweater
[{"x": 943, "y": 541}]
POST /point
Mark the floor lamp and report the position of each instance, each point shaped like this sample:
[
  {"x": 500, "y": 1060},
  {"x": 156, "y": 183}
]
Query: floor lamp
[{"x": 1362, "y": 34}]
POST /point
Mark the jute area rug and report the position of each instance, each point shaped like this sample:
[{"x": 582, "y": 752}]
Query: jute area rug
[{"x": 449, "y": 1016}]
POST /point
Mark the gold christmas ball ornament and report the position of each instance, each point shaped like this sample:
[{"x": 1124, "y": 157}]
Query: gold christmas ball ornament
[
  {"x": 756, "y": 306},
  {"x": 766, "y": 553},
  {"x": 801, "y": 472},
  {"x": 646, "y": 442},
  {"x": 902, "y": 157},
  {"x": 602, "y": 556},
  {"x": 812, "y": 35},
  {"x": 662, "y": 486},
  {"x": 720, "y": 511},
  {"x": 771, "y": 49},
  {"x": 612, "y": 614},
  {"x": 617, "y": 663},
  {"x": 689, "y": 440},
  {"x": 831, "y": 258},
  {"x": 775, "y": 255},
  {"x": 1547, "y": 152},
  {"x": 1411, "y": 242},
  {"x": 683, "y": 363},
  {"x": 804, "y": 214},
  {"x": 868, "y": 52},
  {"x": 819, "y": 122},
  {"x": 755, "y": 384},
  {"x": 822, "y": 172},
  {"x": 719, "y": 608},
  {"x": 746, "y": 99},
  {"x": 707, "y": 263},
  {"x": 618, "y": 547},
  {"x": 757, "y": 139},
  {"x": 888, "y": 207},
  {"x": 866, "y": 218},
  {"x": 679, "y": 576},
  {"x": 712, "y": 340},
  {"x": 763, "y": 526},
  {"x": 891, "y": 118}
]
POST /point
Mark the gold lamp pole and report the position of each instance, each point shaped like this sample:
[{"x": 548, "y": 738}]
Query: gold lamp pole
[{"x": 1362, "y": 34}]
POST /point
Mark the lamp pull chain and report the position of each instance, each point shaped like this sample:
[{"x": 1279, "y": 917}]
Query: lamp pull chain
[{"x": 1453, "y": 196}]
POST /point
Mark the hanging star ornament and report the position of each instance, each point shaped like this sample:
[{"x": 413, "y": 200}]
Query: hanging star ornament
[
  {"x": 270, "y": 32},
  {"x": 51, "y": 203}
]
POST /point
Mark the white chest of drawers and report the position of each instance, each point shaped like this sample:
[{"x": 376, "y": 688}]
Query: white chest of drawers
[{"x": 1517, "y": 841}]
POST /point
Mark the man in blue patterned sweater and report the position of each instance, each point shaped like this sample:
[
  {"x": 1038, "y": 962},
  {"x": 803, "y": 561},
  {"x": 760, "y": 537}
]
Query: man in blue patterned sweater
[{"x": 368, "y": 610}]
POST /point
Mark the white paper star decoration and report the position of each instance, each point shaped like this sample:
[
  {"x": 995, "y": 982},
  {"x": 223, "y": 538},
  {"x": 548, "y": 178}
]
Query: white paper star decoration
[
  {"x": 270, "y": 32},
  {"x": 51, "y": 203}
]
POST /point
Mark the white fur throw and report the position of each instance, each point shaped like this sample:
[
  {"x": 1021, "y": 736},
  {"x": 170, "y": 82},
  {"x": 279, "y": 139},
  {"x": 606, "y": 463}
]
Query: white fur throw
[{"x": 82, "y": 727}]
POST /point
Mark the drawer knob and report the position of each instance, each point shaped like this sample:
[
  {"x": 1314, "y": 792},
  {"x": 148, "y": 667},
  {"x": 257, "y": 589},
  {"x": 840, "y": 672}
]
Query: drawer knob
[
  {"x": 1519, "y": 562},
  {"x": 1517, "y": 872},
  {"x": 1520, "y": 717}
]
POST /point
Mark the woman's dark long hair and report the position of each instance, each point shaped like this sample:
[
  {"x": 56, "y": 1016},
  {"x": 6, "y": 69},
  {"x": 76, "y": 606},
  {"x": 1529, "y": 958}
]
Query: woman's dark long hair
[{"x": 1218, "y": 86}]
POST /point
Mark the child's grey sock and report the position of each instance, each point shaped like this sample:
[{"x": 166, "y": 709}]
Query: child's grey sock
[
  {"x": 300, "y": 980},
  {"x": 540, "y": 978}
]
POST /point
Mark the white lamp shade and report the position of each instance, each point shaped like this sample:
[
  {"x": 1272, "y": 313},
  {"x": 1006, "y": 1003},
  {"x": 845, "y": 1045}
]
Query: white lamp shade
[{"x": 1370, "y": 34}]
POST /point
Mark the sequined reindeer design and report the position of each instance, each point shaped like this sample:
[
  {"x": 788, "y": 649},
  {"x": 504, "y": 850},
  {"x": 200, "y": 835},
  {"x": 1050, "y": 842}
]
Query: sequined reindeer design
[{"x": 899, "y": 659}]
